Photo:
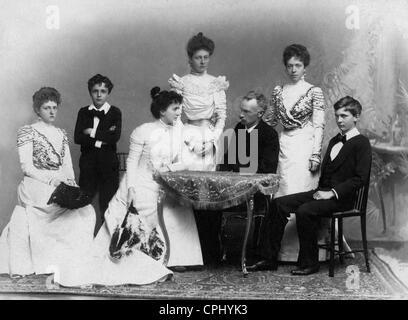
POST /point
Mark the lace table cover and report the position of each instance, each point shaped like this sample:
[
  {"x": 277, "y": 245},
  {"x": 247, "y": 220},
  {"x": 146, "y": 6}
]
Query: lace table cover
[{"x": 215, "y": 190}]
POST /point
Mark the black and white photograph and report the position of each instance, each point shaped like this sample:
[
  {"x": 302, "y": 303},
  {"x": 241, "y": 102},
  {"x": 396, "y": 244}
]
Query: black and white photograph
[{"x": 228, "y": 151}]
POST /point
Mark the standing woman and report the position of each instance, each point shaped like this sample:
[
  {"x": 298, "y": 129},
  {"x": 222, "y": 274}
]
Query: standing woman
[
  {"x": 204, "y": 104},
  {"x": 299, "y": 107}
]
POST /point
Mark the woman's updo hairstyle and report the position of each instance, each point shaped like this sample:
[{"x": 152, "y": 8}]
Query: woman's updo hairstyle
[
  {"x": 200, "y": 42},
  {"x": 43, "y": 95},
  {"x": 298, "y": 51},
  {"x": 161, "y": 100}
]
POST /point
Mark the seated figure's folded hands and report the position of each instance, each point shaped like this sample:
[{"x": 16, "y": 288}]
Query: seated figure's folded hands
[{"x": 200, "y": 147}]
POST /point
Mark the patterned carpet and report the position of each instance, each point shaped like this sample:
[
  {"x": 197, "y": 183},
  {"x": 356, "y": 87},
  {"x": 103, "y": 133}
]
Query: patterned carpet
[{"x": 226, "y": 282}]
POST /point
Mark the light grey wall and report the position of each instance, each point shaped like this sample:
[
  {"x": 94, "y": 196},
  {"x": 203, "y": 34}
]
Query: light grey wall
[{"x": 139, "y": 44}]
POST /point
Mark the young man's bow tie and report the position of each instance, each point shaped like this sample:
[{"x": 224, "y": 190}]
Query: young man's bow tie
[
  {"x": 341, "y": 138},
  {"x": 99, "y": 114}
]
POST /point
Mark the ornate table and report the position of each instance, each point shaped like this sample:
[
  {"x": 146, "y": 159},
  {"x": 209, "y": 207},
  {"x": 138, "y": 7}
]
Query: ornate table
[
  {"x": 388, "y": 153},
  {"x": 214, "y": 190}
]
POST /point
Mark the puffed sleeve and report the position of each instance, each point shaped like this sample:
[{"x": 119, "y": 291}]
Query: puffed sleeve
[
  {"x": 25, "y": 137},
  {"x": 67, "y": 168},
  {"x": 137, "y": 142},
  {"x": 318, "y": 121},
  {"x": 270, "y": 114},
  {"x": 220, "y": 85},
  {"x": 176, "y": 84}
]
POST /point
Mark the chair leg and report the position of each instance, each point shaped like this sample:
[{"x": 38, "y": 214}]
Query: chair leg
[
  {"x": 340, "y": 239},
  {"x": 332, "y": 243},
  {"x": 364, "y": 238}
]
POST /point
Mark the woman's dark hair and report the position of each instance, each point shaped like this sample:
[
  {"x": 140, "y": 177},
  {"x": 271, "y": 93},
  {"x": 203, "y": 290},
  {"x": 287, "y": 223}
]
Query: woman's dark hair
[
  {"x": 162, "y": 100},
  {"x": 99, "y": 79},
  {"x": 200, "y": 42},
  {"x": 45, "y": 94},
  {"x": 350, "y": 104},
  {"x": 298, "y": 51}
]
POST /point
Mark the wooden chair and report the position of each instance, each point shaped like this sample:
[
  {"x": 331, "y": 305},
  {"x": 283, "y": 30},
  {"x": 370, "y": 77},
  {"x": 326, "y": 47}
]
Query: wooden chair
[
  {"x": 359, "y": 210},
  {"x": 261, "y": 207}
]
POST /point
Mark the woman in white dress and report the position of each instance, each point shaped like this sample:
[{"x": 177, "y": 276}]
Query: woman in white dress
[
  {"x": 299, "y": 107},
  {"x": 46, "y": 239},
  {"x": 155, "y": 146},
  {"x": 204, "y": 107}
]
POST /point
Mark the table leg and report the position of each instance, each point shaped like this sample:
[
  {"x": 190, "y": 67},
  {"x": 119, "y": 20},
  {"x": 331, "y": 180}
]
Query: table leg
[
  {"x": 250, "y": 211},
  {"x": 160, "y": 200}
]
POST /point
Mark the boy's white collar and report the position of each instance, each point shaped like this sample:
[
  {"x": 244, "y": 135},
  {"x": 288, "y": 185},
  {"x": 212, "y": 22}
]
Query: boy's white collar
[
  {"x": 105, "y": 108},
  {"x": 352, "y": 133}
]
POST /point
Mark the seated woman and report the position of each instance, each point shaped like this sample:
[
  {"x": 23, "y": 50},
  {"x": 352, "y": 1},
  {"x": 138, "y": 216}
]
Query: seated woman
[
  {"x": 42, "y": 238},
  {"x": 154, "y": 146}
]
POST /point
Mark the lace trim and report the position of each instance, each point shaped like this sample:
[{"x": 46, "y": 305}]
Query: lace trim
[
  {"x": 44, "y": 154},
  {"x": 24, "y": 135},
  {"x": 301, "y": 111},
  {"x": 218, "y": 84}
]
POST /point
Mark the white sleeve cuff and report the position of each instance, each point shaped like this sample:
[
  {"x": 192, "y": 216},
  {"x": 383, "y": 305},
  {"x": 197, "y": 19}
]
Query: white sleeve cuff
[
  {"x": 335, "y": 193},
  {"x": 98, "y": 144}
]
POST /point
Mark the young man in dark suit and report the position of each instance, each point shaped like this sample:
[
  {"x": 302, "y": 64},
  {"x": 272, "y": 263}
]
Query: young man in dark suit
[
  {"x": 254, "y": 148},
  {"x": 97, "y": 130},
  {"x": 345, "y": 168}
]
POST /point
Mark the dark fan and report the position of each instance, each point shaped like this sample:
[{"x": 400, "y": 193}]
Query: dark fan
[{"x": 69, "y": 197}]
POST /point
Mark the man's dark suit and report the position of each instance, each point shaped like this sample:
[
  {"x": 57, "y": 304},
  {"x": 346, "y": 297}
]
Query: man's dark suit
[
  {"x": 99, "y": 167},
  {"x": 267, "y": 153},
  {"x": 348, "y": 171},
  {"x": 209, "y": 223}
]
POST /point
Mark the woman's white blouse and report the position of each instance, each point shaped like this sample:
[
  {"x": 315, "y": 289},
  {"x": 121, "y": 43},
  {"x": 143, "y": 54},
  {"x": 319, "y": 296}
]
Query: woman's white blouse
[
  {"x": 44, "y": 155},
  {"x": 203, "y": 98},
  {"x": 153, "y": 146}
]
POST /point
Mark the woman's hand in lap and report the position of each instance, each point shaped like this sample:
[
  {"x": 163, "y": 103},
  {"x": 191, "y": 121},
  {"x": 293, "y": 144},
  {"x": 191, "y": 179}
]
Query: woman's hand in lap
[{"x": 313, "y": 165}]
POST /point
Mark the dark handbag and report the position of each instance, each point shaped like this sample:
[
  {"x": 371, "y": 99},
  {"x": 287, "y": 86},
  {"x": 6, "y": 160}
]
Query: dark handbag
[
  {"x": 69, "y": 197},
  {"x": 131, "y": 235}
]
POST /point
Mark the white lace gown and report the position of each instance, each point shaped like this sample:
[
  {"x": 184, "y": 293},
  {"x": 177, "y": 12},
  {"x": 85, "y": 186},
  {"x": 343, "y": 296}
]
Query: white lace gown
[
  {"x": 154, "y": 146},
  {"x": 46, "y": 239},
  {"x": 204, "y": 105}
]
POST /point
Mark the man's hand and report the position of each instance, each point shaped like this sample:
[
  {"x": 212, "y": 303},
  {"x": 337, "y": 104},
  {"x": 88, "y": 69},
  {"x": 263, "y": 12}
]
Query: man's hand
[
  {"x": 88, "y": 131},
  {"x": 323, "y": 195}
]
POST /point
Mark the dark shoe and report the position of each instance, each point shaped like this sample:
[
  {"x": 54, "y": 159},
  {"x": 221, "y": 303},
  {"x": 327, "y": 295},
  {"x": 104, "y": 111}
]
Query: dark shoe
[
  {"x": 305, "y": 271},
  {"x": 263, "y": 265}
]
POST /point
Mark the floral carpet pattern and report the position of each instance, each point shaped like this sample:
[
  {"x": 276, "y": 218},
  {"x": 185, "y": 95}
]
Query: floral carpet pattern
[{"x": 227, "y": 282}]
